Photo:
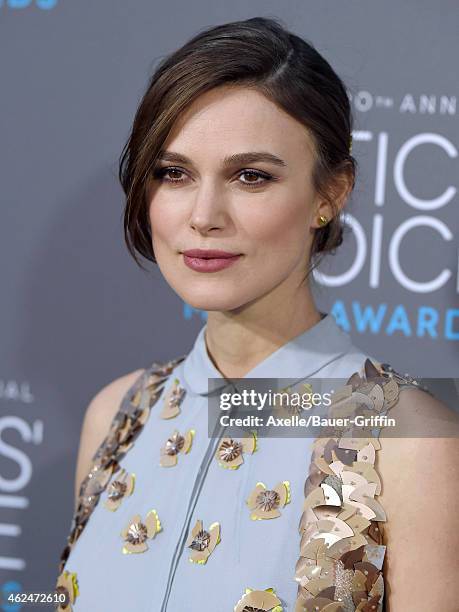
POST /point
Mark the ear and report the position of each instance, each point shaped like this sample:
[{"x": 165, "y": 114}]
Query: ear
[{"x": 336, "y": 194}]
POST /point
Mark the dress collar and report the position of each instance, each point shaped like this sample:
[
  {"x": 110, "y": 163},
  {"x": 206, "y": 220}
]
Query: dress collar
[{"x": 297, "y": 359}]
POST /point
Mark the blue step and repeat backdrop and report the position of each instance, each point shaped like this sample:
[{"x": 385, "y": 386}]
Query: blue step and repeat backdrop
[{"x": 75, "y": 310}]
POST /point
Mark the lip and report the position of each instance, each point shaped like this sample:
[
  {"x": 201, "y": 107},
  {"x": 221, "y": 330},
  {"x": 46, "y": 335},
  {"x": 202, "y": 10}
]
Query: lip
[
  {"x": 209, "y": 253},
  {"x": 209, "y": 260}
]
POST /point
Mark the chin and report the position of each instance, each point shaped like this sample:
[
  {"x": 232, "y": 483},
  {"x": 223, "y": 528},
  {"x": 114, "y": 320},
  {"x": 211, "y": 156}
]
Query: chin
[
  {"x": 213, "y": 304},
  {"x": 212, "y": 301}
]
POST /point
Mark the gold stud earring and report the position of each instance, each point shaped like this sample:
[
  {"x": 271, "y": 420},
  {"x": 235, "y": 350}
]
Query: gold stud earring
[{"x": 323, "y": 220}]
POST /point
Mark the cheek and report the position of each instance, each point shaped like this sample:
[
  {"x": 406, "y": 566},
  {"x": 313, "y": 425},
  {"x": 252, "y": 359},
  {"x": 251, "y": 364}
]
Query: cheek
[
  {"x": 279, "y": 230},
  {"x": 165, "y": 221}
]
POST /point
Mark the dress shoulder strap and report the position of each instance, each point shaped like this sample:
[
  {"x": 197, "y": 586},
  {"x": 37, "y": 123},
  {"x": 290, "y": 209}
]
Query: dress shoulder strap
[
  {"x": 126, "y": 425},
  {"x": 342, "y": 540}
]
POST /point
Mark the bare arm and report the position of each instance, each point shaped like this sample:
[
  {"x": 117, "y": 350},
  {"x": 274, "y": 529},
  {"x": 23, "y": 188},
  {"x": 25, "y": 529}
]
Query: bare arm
[
  {"x": 96, "y": 424},
  {"x": 420, "y": 496}
]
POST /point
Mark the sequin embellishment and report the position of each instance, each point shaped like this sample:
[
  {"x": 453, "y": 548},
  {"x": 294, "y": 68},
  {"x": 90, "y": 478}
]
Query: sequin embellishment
[
  {"x": 229, "y": 453},
  {"x": 118, "y": 489},
  {"x": 265, "y": 503},
  {"x": 174, "y": 445},
  {"x": 202, "y": 542},
  {"x": 67, "y": 584},
  {"x": 172, "y": 400},
  {"x": 124, "y": 429},
  {"x": 341, "y": 549},
  {"x": 136, "y": 533},
  {"x": 259, "y": 601}
]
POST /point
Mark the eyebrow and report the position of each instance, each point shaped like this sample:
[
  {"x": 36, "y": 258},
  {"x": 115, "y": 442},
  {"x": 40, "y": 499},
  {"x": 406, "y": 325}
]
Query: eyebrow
[{"x": 238, "y": 158}]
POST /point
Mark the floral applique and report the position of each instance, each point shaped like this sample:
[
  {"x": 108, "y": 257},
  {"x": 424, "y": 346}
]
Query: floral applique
[
  {"x": 259, "y": 601},
  {"x": 174, "y": 445},
  {"x": 203, "y": 542},
  {"x": 119, "y": 488},
  {"x": 67, "y": 585},
  {"x": 124, "y": 429},
  {"x": 229, "y": 453},
  {"x": 136, "y": 534},
  {"x": 265, "y": 503},
  {"x": 172, "y": 400}
]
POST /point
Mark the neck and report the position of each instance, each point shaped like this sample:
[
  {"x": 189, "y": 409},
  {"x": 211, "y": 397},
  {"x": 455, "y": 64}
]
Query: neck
[{"x": 239, "y": 340}]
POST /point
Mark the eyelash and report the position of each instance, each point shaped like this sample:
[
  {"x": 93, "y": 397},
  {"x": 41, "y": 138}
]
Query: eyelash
[{"x": 159, "y": 173}]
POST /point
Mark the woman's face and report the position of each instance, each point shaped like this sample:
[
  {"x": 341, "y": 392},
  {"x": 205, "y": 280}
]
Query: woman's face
[{"x": 211, "y": 192}]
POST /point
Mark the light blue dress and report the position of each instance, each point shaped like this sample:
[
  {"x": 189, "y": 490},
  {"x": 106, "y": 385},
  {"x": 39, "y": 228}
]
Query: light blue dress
[{"x": 250, "y": 554}]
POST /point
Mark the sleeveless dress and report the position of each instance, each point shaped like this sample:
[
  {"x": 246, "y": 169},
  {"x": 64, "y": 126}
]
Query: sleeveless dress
[{"x": 172, "y": 520}]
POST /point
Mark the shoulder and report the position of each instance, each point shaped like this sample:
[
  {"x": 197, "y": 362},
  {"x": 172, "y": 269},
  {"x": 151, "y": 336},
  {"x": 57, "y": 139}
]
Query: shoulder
[
  {"x": 104, "y": 405},
  {"x": 98, "y": 417}
]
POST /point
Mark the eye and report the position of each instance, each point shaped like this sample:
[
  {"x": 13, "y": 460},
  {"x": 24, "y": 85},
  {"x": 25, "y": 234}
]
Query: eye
[
  {"x": 172, "y": 171},
  {"x": 257, "y": 174}
]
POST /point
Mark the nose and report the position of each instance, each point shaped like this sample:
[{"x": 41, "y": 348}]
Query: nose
[{"x": 208, "y": 208}]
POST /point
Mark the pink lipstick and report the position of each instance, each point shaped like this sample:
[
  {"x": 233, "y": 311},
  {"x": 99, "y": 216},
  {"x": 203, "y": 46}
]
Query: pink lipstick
[{"x": 209, "y": 260}]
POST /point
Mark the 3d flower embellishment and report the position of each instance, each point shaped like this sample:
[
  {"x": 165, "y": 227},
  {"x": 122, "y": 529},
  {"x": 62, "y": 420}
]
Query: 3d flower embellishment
[
  {"x": 265, "y": 503},
  {"x": 203, "y": 542},
  {"x": 136, "y": 534},
  {"x": 172, "y": 400},
  {"x": 259, "y": 601},
  {"x": 124, "y": 429},
  {"x": 230, "y": 452},
  {"x": 67, "y": 585},
  {"x": 119, "y": 488},
  {"x": 174, "y": 445}
]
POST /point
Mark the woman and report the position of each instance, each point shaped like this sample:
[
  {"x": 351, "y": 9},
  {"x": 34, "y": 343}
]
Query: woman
[{"x": 236, "y": 170}]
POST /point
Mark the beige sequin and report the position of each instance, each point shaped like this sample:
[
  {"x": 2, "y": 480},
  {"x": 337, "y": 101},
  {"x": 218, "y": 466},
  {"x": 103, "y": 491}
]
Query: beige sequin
[{"x": 341, "y": 548}]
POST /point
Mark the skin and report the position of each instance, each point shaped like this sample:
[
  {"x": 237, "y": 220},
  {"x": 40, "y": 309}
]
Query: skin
[
  {"x": 420, "y": 495},
  {"x": 260, "y": 303}
]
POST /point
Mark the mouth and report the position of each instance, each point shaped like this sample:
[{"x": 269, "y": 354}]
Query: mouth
[
  {"x": 209, "y": 254},
  {"x": 203, "y": 260}
]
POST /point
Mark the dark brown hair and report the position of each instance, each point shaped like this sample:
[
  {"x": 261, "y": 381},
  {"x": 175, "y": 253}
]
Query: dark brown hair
[{"x": 258, "y": 53}]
